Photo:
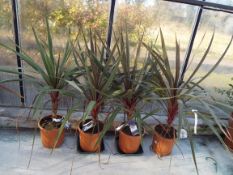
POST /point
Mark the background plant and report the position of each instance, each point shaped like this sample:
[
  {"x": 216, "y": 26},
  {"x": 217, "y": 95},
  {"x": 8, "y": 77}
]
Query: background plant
[{"x": 228, "y": 93}]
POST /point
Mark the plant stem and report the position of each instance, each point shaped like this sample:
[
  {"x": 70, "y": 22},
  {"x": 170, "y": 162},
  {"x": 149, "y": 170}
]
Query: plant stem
[
  {"x": 95, "y": 111},
  {"x": 129, "y": 106},
  {"x": 172, "y": 111},
  {"x": 54, "y": 99}
]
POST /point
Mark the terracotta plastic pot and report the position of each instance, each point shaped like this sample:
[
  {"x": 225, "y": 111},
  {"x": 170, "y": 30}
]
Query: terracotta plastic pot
[
  {"x": 161, "y": 145},
  {"x": 48, "y": 137},
  {"x": 88, "y": 140},
  {"x": 129, "y": 144},
  {"x": 229, "y": 141}
]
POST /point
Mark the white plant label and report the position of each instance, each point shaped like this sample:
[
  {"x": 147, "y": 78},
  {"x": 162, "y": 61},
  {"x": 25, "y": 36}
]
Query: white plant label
[
  {"x": 133, "y": 128},
  {"x": 88, "y": 125},
  {"x": 196, "y": 120},
  {"x": 67, "y": 125},
  {"x": 57, "y": 120},
  {"x": 120, "y": 127},
  {"x": 183, "y": 134}
]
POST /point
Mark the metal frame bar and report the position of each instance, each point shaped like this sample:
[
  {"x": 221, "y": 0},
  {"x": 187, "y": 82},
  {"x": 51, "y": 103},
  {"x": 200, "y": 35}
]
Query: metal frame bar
[
  {"x": 191, "y": 42},
  {"x": 206, "y": 5},
  {"x": 15, "y": 9},
  {"x": 218, "y": 10},
  {"x": 110, "y": 25}
]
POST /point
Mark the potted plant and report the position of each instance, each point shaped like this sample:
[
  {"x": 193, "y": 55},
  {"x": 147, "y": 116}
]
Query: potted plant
[
  {"x": 94, "y": 80},
  {"x": 131, "y": 93},
  {"x": 177, "y": 95},
  {"x": 49, "y": 77}
]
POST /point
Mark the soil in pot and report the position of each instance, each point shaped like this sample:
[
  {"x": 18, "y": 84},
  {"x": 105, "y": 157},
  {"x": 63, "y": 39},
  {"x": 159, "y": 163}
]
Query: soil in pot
[
  {"x": 49, "y": 130},
  {"x": 163, "y": 140},
  {"x": 128, "y": 143},
  {"x": 88, "y": 139}
]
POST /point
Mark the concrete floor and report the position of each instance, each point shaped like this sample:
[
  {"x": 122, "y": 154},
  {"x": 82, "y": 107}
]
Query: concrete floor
[{"x": 15, "y": 155}]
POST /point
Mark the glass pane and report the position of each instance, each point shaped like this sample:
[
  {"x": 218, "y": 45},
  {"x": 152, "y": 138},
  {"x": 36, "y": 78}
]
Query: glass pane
[
  {"x": 6, "y": 30},
  {"x": 222, "y": 25},
  {"x": 7, "y": 58},
  {"x": 63, "y": 15},
  {"x": 150, "y": 15}
]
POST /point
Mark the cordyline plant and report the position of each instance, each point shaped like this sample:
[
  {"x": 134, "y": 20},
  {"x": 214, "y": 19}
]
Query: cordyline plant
[
  {"x": 131, "y": 82},
  {"x": 49, "y": 77},
  {"x": 94, "y": 74},
  {"x": 177, "y": 96},
  {"x": 132, "y": 78}
]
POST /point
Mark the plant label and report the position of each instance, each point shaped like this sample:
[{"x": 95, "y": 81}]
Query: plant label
[
  {"x": 183, "y": 134},
  {"x": 196, "y": 120},
  {"x": 67, "y": 125},
  {"x": 120, "y": 127},
  {"x": 88, "y": 125},
  {"x": 57, "y": 120},
  {"x": 133, "y": 128}
]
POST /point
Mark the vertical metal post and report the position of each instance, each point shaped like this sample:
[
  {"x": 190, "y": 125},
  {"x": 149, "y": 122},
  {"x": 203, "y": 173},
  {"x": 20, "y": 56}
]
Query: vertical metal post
[
  {"x": 191, "y": 42},
  {"x": 110, "y": 24},
  {"x": 15, "y": 11}
]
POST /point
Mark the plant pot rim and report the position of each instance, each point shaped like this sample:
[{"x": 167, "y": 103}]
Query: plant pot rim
[
  {"x": 80, "y": 130},
  {"x": 168, "y": 139},
  {"x": 47, "y": 116},
  {"x": 130, "y": 135}
]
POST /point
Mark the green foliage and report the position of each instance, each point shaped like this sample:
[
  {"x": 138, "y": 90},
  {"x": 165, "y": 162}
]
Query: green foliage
[
  {"x": 131, "y": 77},
  {"x": 50, "y": 76},
  {"x": 228, "y": 93},
  {"x": 167, "y": 83},
  {"x": 5, "y": 14},
  {"x": 137, "y": 18},
  {"x": 65, "y": 14},
  {"x": 93, "y": 76},
  {"x": 178, "y": 96},
  {"x": 94, "y": 73},
  {"x": 130, "y": 81}
]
